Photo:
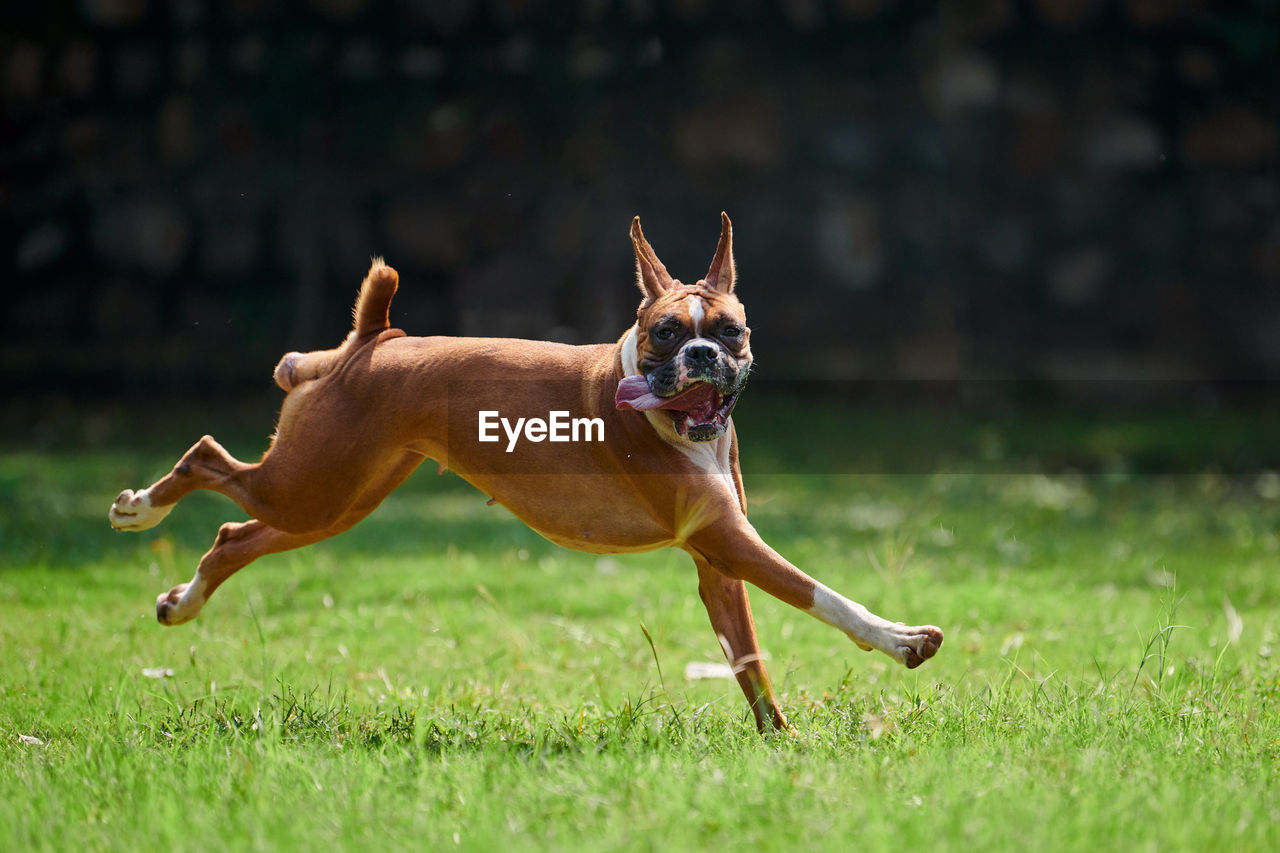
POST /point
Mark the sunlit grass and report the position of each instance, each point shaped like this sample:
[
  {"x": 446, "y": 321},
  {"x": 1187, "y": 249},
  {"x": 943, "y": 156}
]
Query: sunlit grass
[{"x": 440, "y": 676}]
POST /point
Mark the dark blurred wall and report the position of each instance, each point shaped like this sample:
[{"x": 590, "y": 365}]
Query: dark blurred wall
[{"x": 1051, "y": 188}]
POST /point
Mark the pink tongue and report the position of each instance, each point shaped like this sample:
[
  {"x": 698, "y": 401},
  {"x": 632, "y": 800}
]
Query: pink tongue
[{"x": 697, "y": 399}]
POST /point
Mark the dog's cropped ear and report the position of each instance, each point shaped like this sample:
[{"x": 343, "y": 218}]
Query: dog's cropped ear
[
  {"x": 651, "y": 275},
  {"x": 723, "y": 275}
]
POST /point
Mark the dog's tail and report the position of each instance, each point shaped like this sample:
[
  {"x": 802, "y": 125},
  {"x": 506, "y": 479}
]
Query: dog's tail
[
  {"x": 371, "y": 314},
  {"x": 373, "y": 307}
]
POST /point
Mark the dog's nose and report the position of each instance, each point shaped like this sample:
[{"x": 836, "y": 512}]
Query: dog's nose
[{"x": 700, "y": 354}]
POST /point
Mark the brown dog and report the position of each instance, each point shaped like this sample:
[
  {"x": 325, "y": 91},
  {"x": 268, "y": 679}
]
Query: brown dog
[{"x": 607, "y": 448}]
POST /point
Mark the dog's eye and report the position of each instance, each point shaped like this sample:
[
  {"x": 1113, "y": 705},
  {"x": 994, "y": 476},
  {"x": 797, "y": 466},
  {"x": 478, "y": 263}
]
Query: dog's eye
[
  {"x": 664, "y": 334},
  {"x": 731, "y": 332}
]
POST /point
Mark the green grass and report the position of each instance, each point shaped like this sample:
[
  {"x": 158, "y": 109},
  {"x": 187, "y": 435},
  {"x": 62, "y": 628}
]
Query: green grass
[{"x": 441, "y": 677}]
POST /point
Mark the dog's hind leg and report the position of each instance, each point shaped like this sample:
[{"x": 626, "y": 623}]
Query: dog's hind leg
[
  {"x": 312, "y": 475},
  {"x": 204, "y": 466},
  {"x": 207, "y": 465},
  {"x": 319, "y": 463},
  {"x": 239, "y": 544}
]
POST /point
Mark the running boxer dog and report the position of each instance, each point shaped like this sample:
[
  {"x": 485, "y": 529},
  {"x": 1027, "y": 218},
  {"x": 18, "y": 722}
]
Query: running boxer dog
[{"x": 655, "y": 465}]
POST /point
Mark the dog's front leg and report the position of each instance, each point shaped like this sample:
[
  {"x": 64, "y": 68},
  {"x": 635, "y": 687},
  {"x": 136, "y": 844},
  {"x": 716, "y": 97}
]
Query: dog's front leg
[
  {"x": 734, "y": 548},
  {"x": 730, "y": 611}
]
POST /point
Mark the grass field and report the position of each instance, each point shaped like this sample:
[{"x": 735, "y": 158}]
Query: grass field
[{"x": 443, "y": 678}]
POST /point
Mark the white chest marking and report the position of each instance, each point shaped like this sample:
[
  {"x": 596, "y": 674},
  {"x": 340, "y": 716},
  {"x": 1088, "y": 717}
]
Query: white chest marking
[{"x": 630, "y": 354}]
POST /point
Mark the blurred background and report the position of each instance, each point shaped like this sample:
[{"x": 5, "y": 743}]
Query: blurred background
[{"x": 1063, "y": 200}]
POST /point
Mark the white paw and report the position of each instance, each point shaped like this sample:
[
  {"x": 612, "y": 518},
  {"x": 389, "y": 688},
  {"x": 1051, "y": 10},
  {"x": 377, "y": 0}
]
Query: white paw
[
  {"x": 133, "y": 511},
  {"x": 180, "y": 604},
  {"x": 915, "y": 644}
]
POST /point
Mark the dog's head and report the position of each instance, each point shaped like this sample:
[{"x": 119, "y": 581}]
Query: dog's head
[{"x": 688, "y": 353}]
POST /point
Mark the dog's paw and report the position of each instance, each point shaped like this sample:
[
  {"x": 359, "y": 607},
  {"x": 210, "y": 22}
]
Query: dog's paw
[
  {"x": 133, "y": 511},
  {"x": 916, "y": 644},
  {"x": 174, "y": 608}
]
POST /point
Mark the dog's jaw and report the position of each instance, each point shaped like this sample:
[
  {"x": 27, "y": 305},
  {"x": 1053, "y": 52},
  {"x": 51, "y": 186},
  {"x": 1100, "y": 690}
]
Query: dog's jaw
[{"x": 713, "y": 457}]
